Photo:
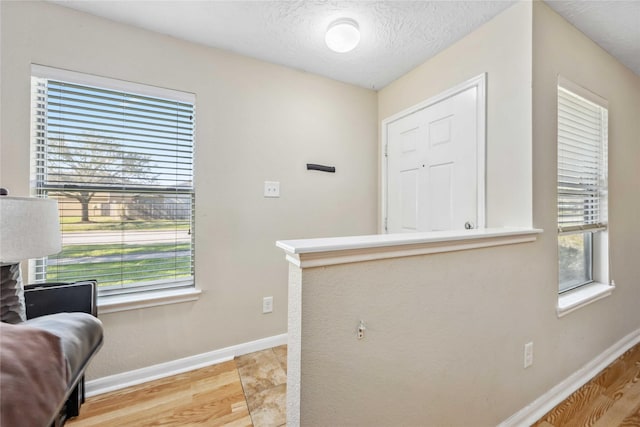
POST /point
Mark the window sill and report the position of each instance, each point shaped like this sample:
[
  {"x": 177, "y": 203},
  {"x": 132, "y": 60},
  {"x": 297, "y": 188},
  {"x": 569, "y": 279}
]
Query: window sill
[
  {"x": 582, "y": 296},
  {"x": 116, "y": 303}
]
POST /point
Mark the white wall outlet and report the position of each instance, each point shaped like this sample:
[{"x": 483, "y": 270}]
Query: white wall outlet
[
  {"x": 267, "y": 304},
  {"x": 271, "y": 189},
  {"x": 361, "y": 329},
  {"x": 528, "y": 354}
]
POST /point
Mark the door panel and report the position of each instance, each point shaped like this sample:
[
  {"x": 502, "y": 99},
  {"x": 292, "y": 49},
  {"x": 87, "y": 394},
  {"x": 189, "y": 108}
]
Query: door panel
[
  {"x": 432, "y": 166},
  {"x": 440, "y": 189},
  {"x": 408, "y": 200},
  {"x": 409, "y": 140},
  {"x": 406, "y": 180},
  {"x": 440, "y": 131}
]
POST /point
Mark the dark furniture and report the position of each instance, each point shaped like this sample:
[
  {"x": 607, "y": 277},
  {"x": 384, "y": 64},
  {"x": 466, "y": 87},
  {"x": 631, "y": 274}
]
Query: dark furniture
[{"x": 67, "y": 311}]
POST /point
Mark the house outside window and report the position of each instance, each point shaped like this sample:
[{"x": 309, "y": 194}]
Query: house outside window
[
  {"x": 118, "y": 157},
  {"x": 582, "y": 187}
]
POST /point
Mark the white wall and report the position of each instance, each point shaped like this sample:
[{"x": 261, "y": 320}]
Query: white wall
[
  {"x": 502, "y": 49},
  {"x": 445, "y": 333},
  {"x": 561, "y": 49},
  {"x": 255, "y": 122}
]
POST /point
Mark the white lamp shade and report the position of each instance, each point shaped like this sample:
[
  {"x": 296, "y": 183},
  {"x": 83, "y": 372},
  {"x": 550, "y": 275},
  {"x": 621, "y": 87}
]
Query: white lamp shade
[
  {"x": 343, "y": 35},
  {"x": 29, "y": 228}
]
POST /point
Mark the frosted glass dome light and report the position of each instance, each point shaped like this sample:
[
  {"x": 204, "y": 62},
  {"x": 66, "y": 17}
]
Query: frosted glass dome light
[{"x": 342, "y": 35}]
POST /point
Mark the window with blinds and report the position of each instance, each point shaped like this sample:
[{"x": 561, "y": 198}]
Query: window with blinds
[
  {"x": 120, "y": 164},
  {"x": 582, "y": 181}
]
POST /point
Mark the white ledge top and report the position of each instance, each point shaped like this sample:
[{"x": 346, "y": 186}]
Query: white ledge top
[{"x": 340, "y": 250}]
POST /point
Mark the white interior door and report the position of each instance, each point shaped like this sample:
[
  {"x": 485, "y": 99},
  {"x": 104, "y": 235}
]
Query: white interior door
[{"x": 432, "y": 166}]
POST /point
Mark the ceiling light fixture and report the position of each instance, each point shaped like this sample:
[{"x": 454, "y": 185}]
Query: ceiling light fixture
[{"x": 342, "y": 35}]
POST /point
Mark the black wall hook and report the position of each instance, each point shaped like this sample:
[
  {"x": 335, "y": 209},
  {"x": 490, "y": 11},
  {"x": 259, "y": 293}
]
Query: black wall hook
[{"x": 322, "y": 168}]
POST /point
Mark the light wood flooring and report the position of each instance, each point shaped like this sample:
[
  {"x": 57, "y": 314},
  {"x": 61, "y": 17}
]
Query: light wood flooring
[
  {"x": 247, "y": 391},
  {"x": 210, "y": 396},
  {"x": 611, "y": 399},
  {"x": 214, "y": 396}
]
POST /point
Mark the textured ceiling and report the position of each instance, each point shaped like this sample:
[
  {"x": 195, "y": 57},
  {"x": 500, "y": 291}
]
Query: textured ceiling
[{"x": 396, "y": 36}]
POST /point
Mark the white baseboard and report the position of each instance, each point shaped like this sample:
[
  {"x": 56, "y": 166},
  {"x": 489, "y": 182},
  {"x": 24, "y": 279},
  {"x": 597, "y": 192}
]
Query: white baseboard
[
  {"x": 174, "y": 367},
  {"x": 539, "y": 407}
]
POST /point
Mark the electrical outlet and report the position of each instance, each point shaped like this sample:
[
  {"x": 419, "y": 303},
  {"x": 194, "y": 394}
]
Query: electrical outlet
[
  {"x": 267, "y": 304},
  {"x": 528, "y": 354},
  {"x": 271, "y": 189},
  {"x": 361, "y": 329}
]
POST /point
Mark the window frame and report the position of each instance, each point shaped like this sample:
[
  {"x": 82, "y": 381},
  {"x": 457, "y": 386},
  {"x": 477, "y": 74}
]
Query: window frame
[
  {"x": 600, "y": 286},
  {"x": 121, "y": 298}
]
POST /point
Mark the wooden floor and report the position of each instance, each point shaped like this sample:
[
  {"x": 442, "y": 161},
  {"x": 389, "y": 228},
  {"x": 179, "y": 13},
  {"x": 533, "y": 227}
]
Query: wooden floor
[
  {"x": 213, "y": 396},
  {"x": 610, "y": 399},
  {"x": 210, "y": 396}
]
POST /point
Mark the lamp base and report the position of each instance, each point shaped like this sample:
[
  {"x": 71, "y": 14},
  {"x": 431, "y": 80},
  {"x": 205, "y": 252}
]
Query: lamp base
[{"x": 12, "y": 306}]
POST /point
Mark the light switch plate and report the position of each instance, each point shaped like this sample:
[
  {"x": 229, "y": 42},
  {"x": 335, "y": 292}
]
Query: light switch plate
[
  {"x": 528, "y": 354},
  {"x": 267, "y": 304}
]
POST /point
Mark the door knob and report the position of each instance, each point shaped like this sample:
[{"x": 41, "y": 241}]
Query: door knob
[{"x": 468, "y": 225}]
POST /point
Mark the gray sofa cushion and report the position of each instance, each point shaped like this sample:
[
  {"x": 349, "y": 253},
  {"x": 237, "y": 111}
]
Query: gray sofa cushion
[{"x": 79, "y": 333}]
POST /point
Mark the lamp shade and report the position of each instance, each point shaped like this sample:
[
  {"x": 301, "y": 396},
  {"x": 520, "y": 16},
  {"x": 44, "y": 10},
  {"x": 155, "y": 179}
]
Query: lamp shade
[{"x": 29, "y": 228}]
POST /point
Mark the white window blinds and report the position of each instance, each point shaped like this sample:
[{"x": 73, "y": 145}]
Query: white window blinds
[
  {"x": 120, "y": 165},
  {"x": 582, "y": 163},
  {"x": 101, "y": 139}
]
